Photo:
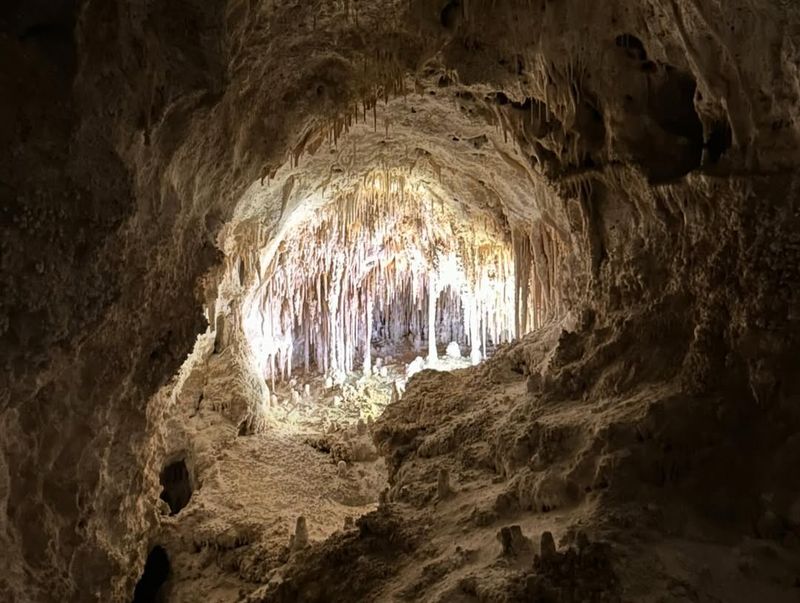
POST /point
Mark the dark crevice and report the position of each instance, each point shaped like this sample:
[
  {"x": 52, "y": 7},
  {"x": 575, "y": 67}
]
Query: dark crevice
[
  {"x": 450, "y": 15},
  {"x": 241, "y": 272},
  {"x": 719, "y": 141},
  {"x": 671, "y": 106},
  {"x": 445, "y": 81},
  {"x": 590, "y": 124},
  {"x": 177, "y": 486},
  {"x": 500, "y": 98},
  {"x": 520, "y": 63},
  {"x": 650, "y": 67},
  {"x": 524, "y": 105},
  {"x": 632, "y": 45},
  {"x": 150, "y": 587}
]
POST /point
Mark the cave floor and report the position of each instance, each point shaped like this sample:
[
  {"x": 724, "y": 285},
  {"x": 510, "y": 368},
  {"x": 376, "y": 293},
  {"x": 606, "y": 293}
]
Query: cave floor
[
  {"x": 242, "y": 516},
  {"x": 231, "y": 542},
  {"x": 251, "y": 489}
]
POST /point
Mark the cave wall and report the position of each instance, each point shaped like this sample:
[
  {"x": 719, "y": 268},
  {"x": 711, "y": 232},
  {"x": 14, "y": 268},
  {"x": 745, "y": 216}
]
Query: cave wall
[{"x": 130, "y": 130}]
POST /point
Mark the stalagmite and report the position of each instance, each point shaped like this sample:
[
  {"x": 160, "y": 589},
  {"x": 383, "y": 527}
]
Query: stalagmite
[
  {"x": 443, "y": 488},
  {"x": 299, "y": 540},
  {"x": 513, "y": 541},
  {"x": 432, "y": 353},
  {"x": 547, "y": 546},
  {"x": 453, "y": 350}
]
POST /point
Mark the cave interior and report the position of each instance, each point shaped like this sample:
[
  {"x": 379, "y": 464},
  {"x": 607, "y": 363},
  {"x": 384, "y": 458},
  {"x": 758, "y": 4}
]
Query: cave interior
[{"x": 400, "y": 300}]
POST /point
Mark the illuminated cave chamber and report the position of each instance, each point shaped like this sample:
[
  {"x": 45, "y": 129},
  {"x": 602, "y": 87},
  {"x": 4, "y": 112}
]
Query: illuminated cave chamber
[{"x": 389, "y": 268}]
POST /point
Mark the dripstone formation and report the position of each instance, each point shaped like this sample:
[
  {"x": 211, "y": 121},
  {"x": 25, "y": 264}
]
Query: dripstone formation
[{"x": 201, "y": 201}]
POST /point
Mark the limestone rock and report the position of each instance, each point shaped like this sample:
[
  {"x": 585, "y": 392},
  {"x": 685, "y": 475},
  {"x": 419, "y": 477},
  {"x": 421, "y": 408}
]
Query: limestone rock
[
  {"x": 547, "y": 546},
  {"x": 299, "y": 539},
  {"x": 513, "y": 542},
  {"x": 453, "y": 350}
]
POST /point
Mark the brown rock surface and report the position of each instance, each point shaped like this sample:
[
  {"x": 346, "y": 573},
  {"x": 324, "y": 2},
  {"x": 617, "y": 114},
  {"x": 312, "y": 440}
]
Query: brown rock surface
[{"x": 644, "y": 154}]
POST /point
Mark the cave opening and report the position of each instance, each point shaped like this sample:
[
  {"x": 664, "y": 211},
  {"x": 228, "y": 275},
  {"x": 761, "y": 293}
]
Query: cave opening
[
  {"x": 177, "y": 485},
  {"x": 333, "y": 297},
  {"x": 362, "y": 287},
  {"x": 150, "y": 587},
  {"x": 325, "y": 297},
  {"x": 385, "y": 270},
  {"x": 369, "y": 260}
]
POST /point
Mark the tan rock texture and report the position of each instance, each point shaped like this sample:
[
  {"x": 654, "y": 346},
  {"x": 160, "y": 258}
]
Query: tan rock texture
[{"x": 147, "y": 146}]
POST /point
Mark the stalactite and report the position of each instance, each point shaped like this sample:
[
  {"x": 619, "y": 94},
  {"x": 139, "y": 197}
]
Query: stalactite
[
  {"x": 522, "y": 265},
  {"x": 474, "y": 330},
  {"x": 374, "y": 263}
]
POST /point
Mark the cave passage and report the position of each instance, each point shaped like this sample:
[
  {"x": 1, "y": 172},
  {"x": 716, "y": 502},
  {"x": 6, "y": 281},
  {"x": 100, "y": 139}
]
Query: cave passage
[
  {"x": 399, "y": 300},
  {"x": 149, "y": 588},
  {"x": 383, "y": 268}
]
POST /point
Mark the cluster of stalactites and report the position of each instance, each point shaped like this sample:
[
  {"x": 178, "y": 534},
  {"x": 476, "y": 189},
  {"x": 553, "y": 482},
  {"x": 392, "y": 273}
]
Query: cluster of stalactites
[
  {"x": 383, "y": 78},
  {"x": 538, "y": 253},
  {"x": 367, "y": 266}
]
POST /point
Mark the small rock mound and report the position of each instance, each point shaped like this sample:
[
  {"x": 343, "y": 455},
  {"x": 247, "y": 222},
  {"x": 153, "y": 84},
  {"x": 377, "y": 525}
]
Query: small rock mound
[{"x": 453, "y": 351}]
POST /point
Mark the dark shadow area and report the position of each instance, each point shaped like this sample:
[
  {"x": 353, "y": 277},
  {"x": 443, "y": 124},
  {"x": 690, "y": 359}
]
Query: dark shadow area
[
  {"x": 633, "y": 45},
  {"x": 450, "y": 15},
  {"x": 719, "y": 141},
  {"x": 149, "y": 588},
  {"x": 44, "y": 26},
  {"x": 177, "y": 486}
]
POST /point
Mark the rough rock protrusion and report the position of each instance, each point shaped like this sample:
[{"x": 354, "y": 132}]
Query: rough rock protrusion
[
  {"x": 299, "y": 540},
  {"x": 513, "y": 541},
  {"x": 547, "y": 546},
  {"x": 443, "y": 488},
  {"x": 453, "y": 350}
]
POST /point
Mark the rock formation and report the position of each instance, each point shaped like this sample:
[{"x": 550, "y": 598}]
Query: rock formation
[{"x": 199, "y": 197}]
